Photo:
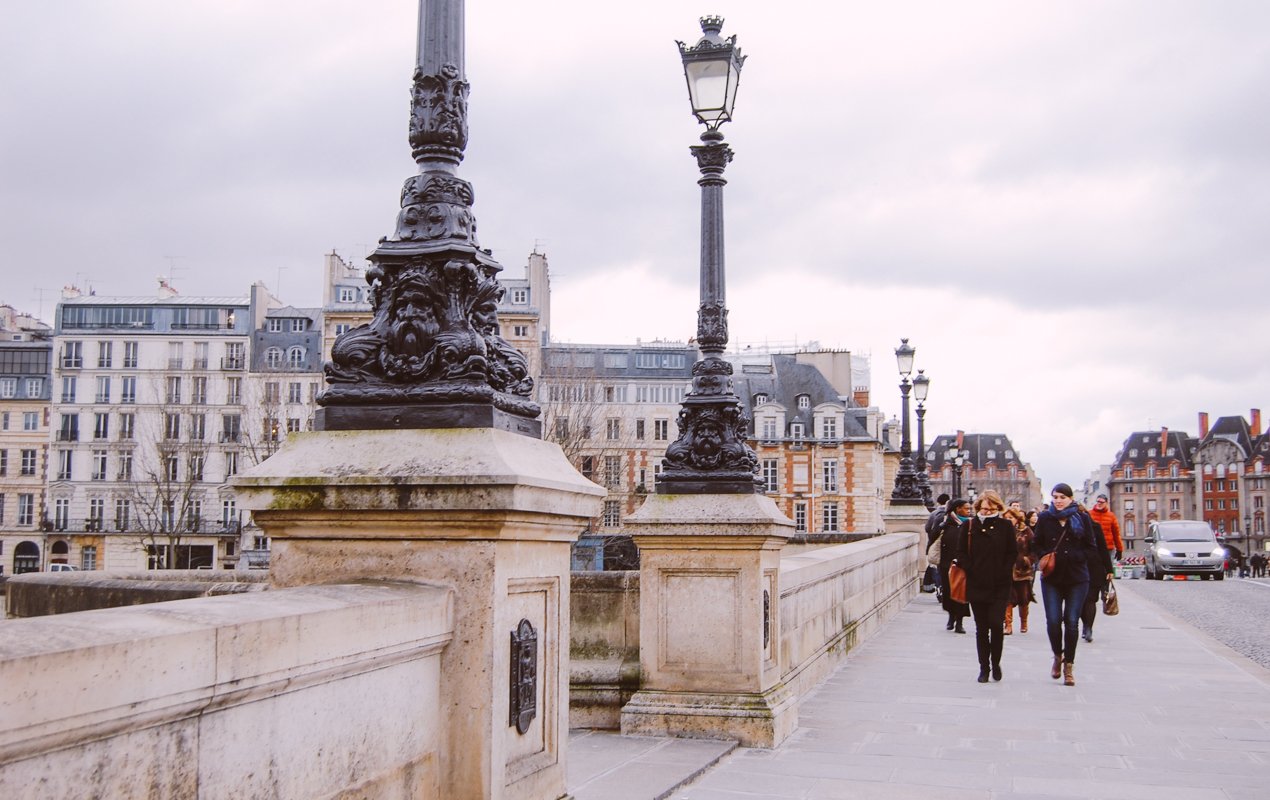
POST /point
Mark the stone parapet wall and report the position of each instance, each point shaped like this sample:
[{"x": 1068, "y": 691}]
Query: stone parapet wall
[
  {"x": 38, "y": 594},
  {"x": 835, "y": 597},
  {"x": 604, "y": 647},
  {"x": 316, "y": 691}
]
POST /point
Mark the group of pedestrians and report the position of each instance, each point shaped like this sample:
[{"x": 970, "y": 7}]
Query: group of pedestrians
[
  {"x": 1000, "y": 549},
  {"x": 1258, "y": 563}
]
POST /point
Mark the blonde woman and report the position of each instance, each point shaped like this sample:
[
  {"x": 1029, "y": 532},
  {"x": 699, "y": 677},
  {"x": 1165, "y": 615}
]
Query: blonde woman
[
  {"x": 1024, "y": 572},
  {"x": 986, "y": 550}
]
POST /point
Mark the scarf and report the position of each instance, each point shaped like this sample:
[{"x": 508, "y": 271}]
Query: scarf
[
  {"x": 982, "y": 517},
  {"x": 1071, "y": 514}
]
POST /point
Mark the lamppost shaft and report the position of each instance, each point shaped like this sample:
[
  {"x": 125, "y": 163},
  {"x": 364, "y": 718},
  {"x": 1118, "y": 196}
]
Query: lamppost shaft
[{"x": 440, "y": 38}]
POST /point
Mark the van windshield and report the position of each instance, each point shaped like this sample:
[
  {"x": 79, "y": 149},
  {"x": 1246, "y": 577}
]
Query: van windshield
[{"x": 1186, "y": 532}]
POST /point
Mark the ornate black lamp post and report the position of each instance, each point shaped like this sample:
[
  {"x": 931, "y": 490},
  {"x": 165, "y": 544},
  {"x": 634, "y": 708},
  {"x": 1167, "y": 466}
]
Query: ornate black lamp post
[
  {"x": 431, "y": 356},
  {"x": 907, "y": 490},
  {"x": 711, "y": 456},
  {"x": 958, "y": 460},
  {"x": 921, "y": 389}
]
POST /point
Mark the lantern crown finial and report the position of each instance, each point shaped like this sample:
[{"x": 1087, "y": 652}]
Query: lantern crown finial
[{"x": 712, "y": 23}]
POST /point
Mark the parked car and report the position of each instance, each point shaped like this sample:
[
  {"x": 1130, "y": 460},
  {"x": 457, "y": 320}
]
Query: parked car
[
  {"x": 1183, "y": 547},
  {"x": 63, "y": 568}
]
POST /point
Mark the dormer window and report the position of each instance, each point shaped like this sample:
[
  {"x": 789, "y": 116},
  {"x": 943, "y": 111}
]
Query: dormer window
[
  {"x": 760, "y": 399},
  {"x": 804, "y": 401},
  {"x": 520, "y": 297},
  {"x": 992, "y": 454},
  {"x": 1133, "y": 453},
  {"x": 796, "y": 431},
  {"x": 275, "y": 325},
  {"x": 297, "y": 325},
  {"x": 348, "y": 294}
]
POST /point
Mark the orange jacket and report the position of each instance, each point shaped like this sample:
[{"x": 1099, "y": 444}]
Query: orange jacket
[{"x": 1110, "y": 528}]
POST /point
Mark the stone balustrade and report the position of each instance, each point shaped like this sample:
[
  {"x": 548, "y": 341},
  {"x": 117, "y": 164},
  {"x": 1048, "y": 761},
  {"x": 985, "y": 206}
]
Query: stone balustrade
[{"x": 315, "y": 691}]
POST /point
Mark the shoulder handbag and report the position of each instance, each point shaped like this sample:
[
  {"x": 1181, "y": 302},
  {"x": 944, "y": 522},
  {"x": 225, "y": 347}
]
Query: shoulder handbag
[
  {"x": 957, "y": 575},
  {"x": 1050, "y": 560},
  {"x": 1110, "y": 600}
]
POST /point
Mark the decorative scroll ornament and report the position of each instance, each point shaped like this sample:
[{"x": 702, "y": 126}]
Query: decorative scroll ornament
[
  {"x": 436, "y": 206},
  {"x": 438, "y": 115},
  {"x": 524, "y": 677},
  {"x": 714, "y": 156},
  {"x": 907, "y": 489},
  {"x": 710, "y": 449}
]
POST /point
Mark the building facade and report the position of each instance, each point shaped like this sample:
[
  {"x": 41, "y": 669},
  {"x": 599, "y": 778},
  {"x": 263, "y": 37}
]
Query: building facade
[
  {"x": 1152, "y": 478},
  {"x": 26, "y": 350},
  {"x": 988, "y": 461}
]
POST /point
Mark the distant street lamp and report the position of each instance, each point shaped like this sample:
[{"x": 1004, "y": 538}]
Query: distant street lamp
[
  {"x": 957, "y": 458},
  {"x": 907, "y": 491},
  {"x": 711, "y": 455},
  {"x": 921, "y": 388},
  {"x": 971, "y": 494}
]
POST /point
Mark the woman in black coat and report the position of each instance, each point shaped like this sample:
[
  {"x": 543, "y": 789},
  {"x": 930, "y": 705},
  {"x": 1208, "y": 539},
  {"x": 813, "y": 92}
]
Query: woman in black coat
[
  {"x": 958, "y": 513},
  {"x": 1066, "y": 530},
  {"x": 986, "y": 550}
]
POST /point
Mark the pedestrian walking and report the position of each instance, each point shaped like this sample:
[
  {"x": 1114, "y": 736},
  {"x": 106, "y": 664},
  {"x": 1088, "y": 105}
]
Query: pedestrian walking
[
  {"x": 1067, "y": 532},
  {"x": 1103, "y": 517},
  {"x": 958, "y": 513},
  {"x": 1023, "y": 574},
  {"x": 934, "y": 522},
  {"x": 986, "y": 550}
]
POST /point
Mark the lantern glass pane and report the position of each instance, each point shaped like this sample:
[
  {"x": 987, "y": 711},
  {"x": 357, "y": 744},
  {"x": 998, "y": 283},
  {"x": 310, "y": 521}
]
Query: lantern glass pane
[{"x": 708, "y": 88}]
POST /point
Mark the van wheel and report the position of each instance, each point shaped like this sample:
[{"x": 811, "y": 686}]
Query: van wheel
[
  {"x": 1207, "y": 577},
  {"x": 1219, "y": 576}
]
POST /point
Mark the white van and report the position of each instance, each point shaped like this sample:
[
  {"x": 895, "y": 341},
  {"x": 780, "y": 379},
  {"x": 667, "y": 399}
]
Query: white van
[
  {"x": 63, "y": 568},
  {"x": 1183, "y": 547}
]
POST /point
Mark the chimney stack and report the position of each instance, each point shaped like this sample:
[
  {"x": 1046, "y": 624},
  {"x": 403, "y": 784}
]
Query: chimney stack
[
  {"x": 1164, "y": 441},
  {"x": 1203, "y": 424},
  {"x": 1256, "y": 422}
]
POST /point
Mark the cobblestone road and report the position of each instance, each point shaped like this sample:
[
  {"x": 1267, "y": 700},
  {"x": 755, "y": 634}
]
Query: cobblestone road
[{"x": 1235, "y": 612}]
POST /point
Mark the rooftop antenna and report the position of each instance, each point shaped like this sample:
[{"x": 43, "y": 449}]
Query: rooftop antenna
[
  {"x": 172, "y": 269},
  {"x": 538, "y": 246},
  {"x": 39, "y": 300},
  {"x": 277, "y": 288}
]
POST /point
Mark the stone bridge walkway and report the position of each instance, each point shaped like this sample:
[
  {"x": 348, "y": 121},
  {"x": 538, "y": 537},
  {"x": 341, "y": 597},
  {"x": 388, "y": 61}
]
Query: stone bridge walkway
[{"x": 1160, "y": 711}]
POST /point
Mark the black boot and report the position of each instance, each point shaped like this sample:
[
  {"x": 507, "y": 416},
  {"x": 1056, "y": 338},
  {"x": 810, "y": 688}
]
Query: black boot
[
  {"x": 996, "y": 672},
  {"x": 951, "y": 622},
  {"x": 983, "y": 674},
  {"x": 959, "y": 628}
]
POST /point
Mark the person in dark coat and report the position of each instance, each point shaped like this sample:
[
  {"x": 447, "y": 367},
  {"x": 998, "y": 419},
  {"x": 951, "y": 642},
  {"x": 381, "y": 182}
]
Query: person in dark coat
[
  {"x": 1067, "y": 530},
  {"x": 958, "y": 512},
  {"x": 986, "y": 550}
]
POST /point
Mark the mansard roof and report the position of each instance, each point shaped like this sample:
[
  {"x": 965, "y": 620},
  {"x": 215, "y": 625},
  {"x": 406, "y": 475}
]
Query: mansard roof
[
  {"x": 979, "y": 446},
  {"x": 783, "y": 382},
  {"x": 1231, "y": 429},
  {"x": 1135, "y": 452}
]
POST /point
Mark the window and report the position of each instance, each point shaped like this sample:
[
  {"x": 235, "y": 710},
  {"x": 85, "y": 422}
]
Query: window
[
  {"x": 829, "y": 517},
  {"x": 231, "y": 463},
  {"x": 1173, "y": 471},
  {"x": 197, "y": 462},
  {"x": 639, "y": 429},
  {"x": 800, "y": 516},
  {"x": 274, "y": 325},
  {"x": 28, "y": 462},
  {"x": 171, "y": 427},
  {"x": 1133, "y": 452},
  {"x": 760, "y": 399},
  {"x": 99, "y": 465},
  {"x": 26, "y": 509},
  {"x": 588, "y": 467},
  {"x": 73, "y": 355},
  {"x": 68, "y": 388},
  {"x": 804, "y": 401},
  {"x": 198, "y": 427},
  {"x": 829, "y": 428},
  {"x": 298, "y": 325},
  {"x": 1151, "y": 506},
  {"x": 104, "y": 354},
  {"x": 125, "y": 465},
  {"x": 173, "y": 392},
  {"x": 295, "y": 358},
  {"x": 520, "y": 331},
  {"x": 61, "y": 514},
  {"x": 228, "y": 514},
  {"x": 562, "y": 428},
  {"x": 796, "y": 432},
  {"x": 127, "y": 427},
  {"x": 829, "y": 470},
  {"x": 295, "y": 392},
  {"x": 30, "y": 420},
  {"x": 273, "y": 357},
  {"x": 342, "y": 328},
  {"x": 171, "y": 468},
  {"x": 34, "y": 388},
  {"x": 8, "y": 387},
  {"x": 200, "y": 355},
  {"x": 1128, "y": 506},
  {"x": 101, "y": 426},
  {"x": 1128, "y": 473},
  {"x": 128, "y": 390},
  {"x": 613, "y": 472},
  {"x": 1150, "y": 470},
  {"x": 313, "y": 392},
  {"x": 1208, "y": 486},
  {"x": 616, "y": 360},
  {"x": 348, "y": 294},
  {"x": 129, "y": 355},
  {"x": 198, "y": 391},
  {"x": 615, "y": 394},
  {"x": 234, "y": 356},
  {"x": 661, "y": 430},
  {"x": 176, "y": 355},
  {"x": 612, "y": 513},
  {"x": 88, "y": 557},
  {"x": 769, "y": 475},
  {"x": 69, "y": 430},
  {"x": 234, "y": 391},
  {"x": 1175, "y": 505},
  {"x": 613, "y": 429},
  {"x": 769, "y": 429},
  {"x": 273, "y": 392},
  {"x": 659, "y": 360},
  {"x": 103, "y": 389},
  {"x": 293, "y": 425},
  {"x": 231, "y": 427},
  {"x": 520, "y": 297},
  {"x": 4, "y": 464}
]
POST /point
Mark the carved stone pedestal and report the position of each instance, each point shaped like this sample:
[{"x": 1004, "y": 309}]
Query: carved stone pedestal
[
  {"x": 709, "y": 627},
  {"x": 486, "y": 512}
]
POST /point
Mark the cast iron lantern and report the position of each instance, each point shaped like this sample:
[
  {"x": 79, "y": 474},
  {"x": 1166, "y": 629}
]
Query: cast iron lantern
[
  {"x": 904, "y": 357},
  {"x": 921, "y": 387},
  {"x": 712, "y": 68}
]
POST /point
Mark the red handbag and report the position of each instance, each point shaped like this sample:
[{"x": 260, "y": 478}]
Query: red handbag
[{"x": 957, "y": 575}]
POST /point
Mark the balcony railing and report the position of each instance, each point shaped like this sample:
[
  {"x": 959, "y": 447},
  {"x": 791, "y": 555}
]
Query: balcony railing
[
  {"x": 175, "y": 363},
  {"x": 68, "y": 436},
  {"x": 233, "y": 363},
  {"x": 230, "y": 436},
  {"x": 200, "y": 363}
]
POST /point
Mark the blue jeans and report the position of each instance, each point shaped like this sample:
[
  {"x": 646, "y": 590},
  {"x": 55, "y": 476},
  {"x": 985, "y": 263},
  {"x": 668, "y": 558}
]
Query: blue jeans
[{"x": 1062, "y": 616}]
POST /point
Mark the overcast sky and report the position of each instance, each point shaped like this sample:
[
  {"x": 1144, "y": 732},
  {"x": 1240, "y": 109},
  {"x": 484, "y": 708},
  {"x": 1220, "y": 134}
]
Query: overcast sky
[{"x": 1064, "y": 205}]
